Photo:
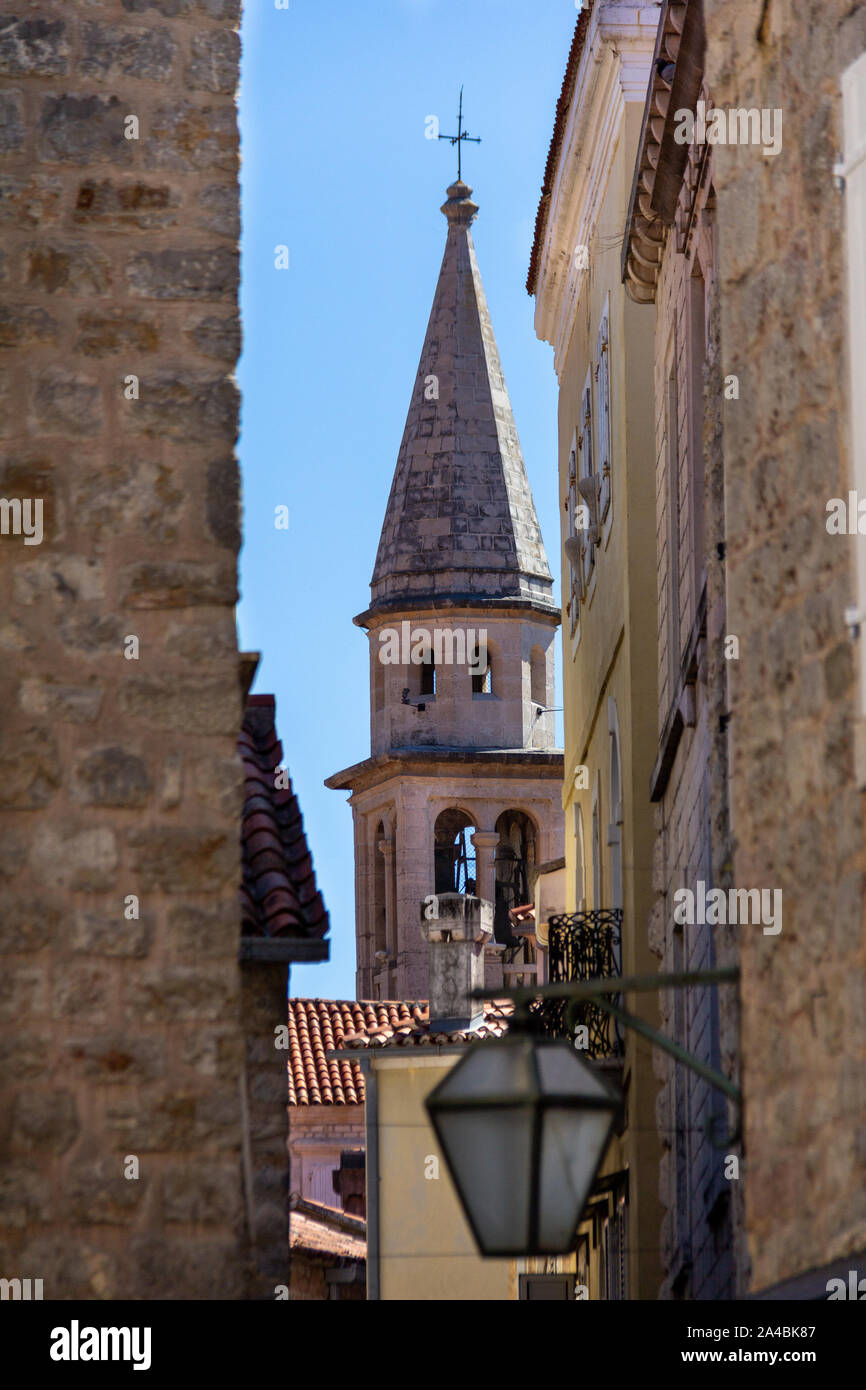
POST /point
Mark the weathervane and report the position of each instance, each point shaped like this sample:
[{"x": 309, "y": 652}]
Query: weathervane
[{"x": 460, "y": 136}]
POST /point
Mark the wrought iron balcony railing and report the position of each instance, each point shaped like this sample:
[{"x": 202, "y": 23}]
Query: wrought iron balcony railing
[{"x": 583, "y": 946}]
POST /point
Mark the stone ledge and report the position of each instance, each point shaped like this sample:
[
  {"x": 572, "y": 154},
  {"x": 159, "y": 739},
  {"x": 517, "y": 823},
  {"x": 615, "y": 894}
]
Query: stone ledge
[{"x": 283, "y": 950}]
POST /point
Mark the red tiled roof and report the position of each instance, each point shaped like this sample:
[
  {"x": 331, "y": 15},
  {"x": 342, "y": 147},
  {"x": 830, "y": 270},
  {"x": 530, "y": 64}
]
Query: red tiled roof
[
  {"x": 417, "y": 1034},
  {"x": 320, "y": 1026},
  {"x": 326, "y": 1230},
  {"x": 562, "y": 107},
  {"x": 278, "y": 890},
  {"x": 317, "y": 1026}
]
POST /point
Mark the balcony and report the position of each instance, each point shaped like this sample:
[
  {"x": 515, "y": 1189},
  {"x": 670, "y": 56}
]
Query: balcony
[{"x": 583, "y": 946}]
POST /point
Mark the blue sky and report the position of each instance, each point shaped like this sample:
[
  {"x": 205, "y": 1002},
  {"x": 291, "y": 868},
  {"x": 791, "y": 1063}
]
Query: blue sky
[{"x": 336, "y": 167}]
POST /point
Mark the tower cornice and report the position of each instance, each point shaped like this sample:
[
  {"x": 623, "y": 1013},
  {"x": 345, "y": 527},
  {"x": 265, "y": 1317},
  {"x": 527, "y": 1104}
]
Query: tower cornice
[
  {"x": 434, "y": 605},
  {"x": 430, "y": 762}
]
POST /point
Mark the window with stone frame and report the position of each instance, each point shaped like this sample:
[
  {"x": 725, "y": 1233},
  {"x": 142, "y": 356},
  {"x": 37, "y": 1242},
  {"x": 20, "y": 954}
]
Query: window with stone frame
[
  {"x": 483, "y": 675},
  {"x": 587, "y": 482},
  {"x": 602, "y": 377},
  {"x": 428, "y": 676},
  {"x": 575, "y": 564}
]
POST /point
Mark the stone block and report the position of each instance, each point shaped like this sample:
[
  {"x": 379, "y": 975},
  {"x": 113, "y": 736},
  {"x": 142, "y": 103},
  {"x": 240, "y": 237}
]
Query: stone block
[
  {"x": 25, "y": 1198},
  {"x": 215, "y": 61},
  {"x": 116, "y": 1058},
  {"x": 130, "y": 493},
  {"x": 110, "y": 932},
  {"x": 182, "y": 993},
  {"x": 107, "y": 203},
  {"x": 186, "y": 1267},
  {"x": 84, "y": 130},
  {"x": 37, "y": 47},
  {"x": 204, "y": 930},
  {"x": 23, "y": 990},
  {"x": 11, "y": 122},
  {"x": 77, "y": 1269},
  {"x": 24, "y": 1056},
  {"x": 29, "y": 770},
  {"x": 65, "y": 402},
  {"x": 22, "y": 326},
  {"x": 175, "y": 859},
  {"x": 209, "y": 9},
  {"x": 70, "y": 857},
  {"x": 29, "y": 199},
  {"x": 186, "y": 405},
  {"x": 220, "y": 338},
  {"x": 181, "y": 584},
  {"x": 83, "y": 993},
  {"x": 65, "y": 577},
  {"x": 194, "y": 273},
  {"x": 219, "y": 210},
  {"x": 171, "y": 702},
  {"x": 28, "y": 923},
  {"x": 116, "y": 331},
  {"x": 44, "y": 1121},
  {"x": 201, "y": 1194},
  {"x": 214, "y": 1052},
  {"x": 111, "y": 50},
  {"x": 72, "y": 268},
  {"x": 112, "y": 776},
  {"x": 186, "y": 137},
  {"x": 223, "y": 502},
  {"x": 71, "y": 704},
  {"x": 199, "y": 641},
  {"x": 97, "y": 1193},
  {"x": 92, "y": 634}
]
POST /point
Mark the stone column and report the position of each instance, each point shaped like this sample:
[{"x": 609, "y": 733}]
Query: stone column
[{"x": 485, "y": 842}]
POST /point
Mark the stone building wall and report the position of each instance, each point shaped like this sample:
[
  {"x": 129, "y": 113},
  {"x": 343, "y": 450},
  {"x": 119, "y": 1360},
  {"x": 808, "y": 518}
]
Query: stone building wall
[
  {"x": 121, "y": 1035},
  {"x": 796, "y": 813},
  {"x": 696, "y": 1237},
  {"x": 318, "y": 1134}
]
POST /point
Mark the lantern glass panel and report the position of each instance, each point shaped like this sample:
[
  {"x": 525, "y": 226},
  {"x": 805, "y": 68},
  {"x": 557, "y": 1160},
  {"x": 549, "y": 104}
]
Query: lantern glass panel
[
  {"x": 572, "y": 1143},
  {"x": 490, "y": 1151}
]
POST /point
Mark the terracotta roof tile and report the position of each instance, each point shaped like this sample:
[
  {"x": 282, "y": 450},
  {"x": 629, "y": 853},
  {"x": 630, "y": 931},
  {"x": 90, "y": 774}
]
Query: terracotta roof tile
[
  {"x": 320, "y": 1229},
  {"x": 321, "y": 1026},
  {"x": 278, "y": 891},
  {"x": 562, "y": 108}
]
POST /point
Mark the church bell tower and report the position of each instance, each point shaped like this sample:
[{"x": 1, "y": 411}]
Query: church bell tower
[{"x": 461, "y": 791}]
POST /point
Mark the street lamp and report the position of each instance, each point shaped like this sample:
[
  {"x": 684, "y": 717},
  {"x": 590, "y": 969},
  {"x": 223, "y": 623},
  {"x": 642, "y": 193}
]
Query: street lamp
[{"x": 523, "y": 1124}]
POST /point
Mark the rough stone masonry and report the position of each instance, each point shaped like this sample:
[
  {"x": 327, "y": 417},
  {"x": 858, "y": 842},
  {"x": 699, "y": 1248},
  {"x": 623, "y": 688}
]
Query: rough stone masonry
[
  {"x": 119, "y": 785},
  {"x": 796, "y": 812}
]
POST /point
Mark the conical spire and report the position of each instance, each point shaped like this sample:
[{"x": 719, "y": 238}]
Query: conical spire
[{"x": 460, "y": 521}]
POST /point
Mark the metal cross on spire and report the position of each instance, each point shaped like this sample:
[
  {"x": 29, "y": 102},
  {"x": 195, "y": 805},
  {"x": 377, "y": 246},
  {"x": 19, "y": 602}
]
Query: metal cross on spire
[{"x": 460, "y": 136}]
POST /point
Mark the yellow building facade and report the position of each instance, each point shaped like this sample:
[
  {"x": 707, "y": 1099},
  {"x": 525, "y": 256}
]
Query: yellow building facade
[
  {"x": 419, "y": 1243},
  {"x": 603, "y": 357}
]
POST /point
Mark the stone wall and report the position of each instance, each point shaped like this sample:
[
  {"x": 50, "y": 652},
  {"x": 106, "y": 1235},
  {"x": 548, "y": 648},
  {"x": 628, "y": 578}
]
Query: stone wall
[
  {"x": 118, "y": 775},
  {"x": 696, "y": 1235},
  {"x": 796, "y": 815}
]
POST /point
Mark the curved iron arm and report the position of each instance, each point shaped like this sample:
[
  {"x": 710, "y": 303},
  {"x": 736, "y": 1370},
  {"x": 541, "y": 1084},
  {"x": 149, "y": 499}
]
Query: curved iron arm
[{"x": 624, "y": 984}]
